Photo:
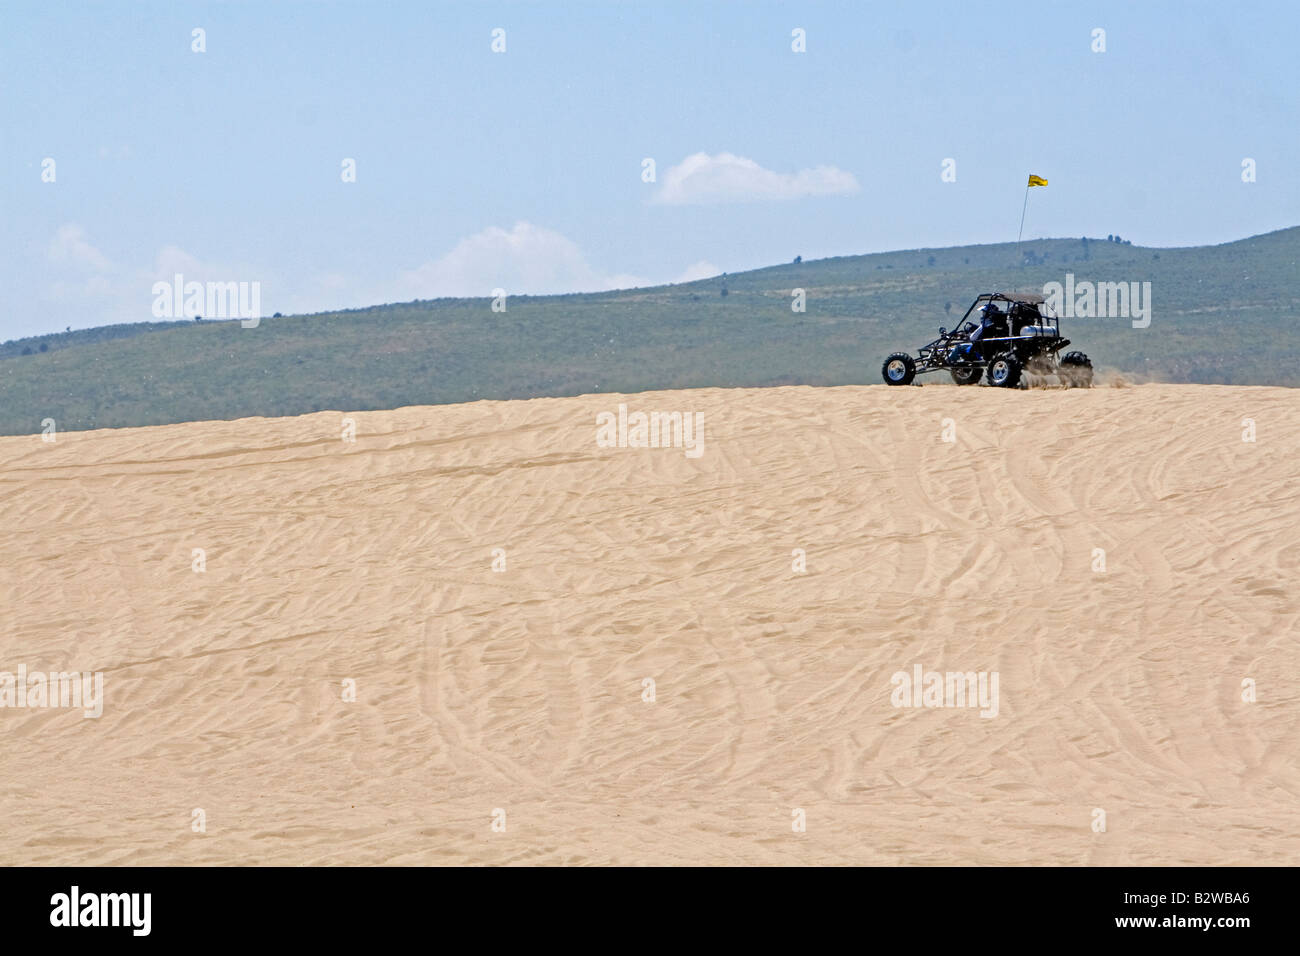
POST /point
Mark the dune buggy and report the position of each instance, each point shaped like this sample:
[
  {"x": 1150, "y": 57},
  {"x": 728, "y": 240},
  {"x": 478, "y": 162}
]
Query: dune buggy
[{"x": 1012, "y": 333}]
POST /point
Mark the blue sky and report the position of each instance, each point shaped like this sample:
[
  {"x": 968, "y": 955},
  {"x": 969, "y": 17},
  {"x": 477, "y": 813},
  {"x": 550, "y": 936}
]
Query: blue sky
[{"x": 523, "y": 169}]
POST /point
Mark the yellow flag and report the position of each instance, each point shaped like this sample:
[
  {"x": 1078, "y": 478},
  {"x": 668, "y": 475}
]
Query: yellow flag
[{"x": 1037, "y": 181}]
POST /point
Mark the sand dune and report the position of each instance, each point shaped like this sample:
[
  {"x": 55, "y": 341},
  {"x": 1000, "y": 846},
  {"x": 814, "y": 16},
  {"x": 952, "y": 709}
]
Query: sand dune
[{"x": 522, "y": 689}]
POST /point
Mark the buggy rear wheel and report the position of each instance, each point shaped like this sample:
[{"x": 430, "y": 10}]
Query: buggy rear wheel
[
  {"x": 899, "y": 369},
  {"x": 1004, "y": 370},
  {"x": 1076, "y": 370}
]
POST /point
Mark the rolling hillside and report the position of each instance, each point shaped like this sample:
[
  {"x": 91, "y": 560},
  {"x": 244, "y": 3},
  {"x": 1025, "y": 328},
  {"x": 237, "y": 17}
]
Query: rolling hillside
[{"x": 1221, "y": 315}]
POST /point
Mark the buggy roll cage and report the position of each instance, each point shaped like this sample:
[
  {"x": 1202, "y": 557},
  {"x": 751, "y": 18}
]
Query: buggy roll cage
[
  {"x": 1016, "y": 301},
  {"x": 1017, "y": 305}
]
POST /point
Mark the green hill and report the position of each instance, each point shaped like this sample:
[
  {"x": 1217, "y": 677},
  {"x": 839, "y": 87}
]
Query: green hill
[{"x": 1221, "y": 314}]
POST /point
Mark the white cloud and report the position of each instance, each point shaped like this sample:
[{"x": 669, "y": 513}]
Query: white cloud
[
  {"x": 171, "y": 260},
  {"x": 701, "y": 178},
  {"x": 698, "y": 270},
  {"x": 70, "y": 246},
  {"x": 98, "y": 291},
  {"x": 303, "y": 293},
  {"x": 87, "y": 288},
  {"x": 526, "y": 260}
]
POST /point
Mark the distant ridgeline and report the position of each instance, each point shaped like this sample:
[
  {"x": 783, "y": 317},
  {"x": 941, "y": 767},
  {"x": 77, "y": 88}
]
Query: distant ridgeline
[{"x": 1212, "y": 314}]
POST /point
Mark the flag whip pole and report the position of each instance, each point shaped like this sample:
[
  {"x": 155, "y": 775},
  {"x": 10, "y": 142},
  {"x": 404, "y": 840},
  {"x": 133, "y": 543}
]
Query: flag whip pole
[{"x": 1022, "y": 224}]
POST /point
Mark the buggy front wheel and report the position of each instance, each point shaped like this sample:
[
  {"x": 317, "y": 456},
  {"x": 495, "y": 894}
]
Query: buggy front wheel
[
  {"x": 1004, "y": 370},
  {"x": 966, "y": 376},
  {"x": 899, "y": 369}
]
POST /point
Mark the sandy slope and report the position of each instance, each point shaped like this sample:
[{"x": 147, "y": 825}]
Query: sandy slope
[{"x": 522, "y": 690}]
